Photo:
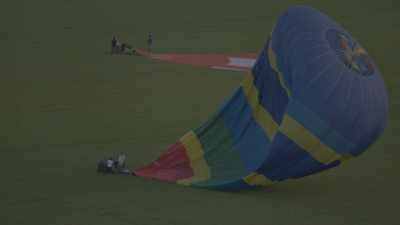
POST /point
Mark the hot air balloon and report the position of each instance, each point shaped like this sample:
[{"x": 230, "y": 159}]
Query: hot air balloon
[{"x": 313, "y": 99}]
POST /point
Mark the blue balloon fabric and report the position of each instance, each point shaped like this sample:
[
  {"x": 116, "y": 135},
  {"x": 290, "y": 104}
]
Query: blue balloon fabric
[{"x": 331, "y": 93}]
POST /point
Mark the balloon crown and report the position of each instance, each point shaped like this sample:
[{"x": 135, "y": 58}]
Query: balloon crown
[{"x": 350, "y": 52}]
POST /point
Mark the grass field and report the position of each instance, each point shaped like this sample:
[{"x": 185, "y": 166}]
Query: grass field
[{"x": 65, "y": 103}]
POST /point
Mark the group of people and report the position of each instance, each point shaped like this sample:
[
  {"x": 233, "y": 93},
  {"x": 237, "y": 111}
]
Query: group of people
[
  {"x": 113, "y": 165},
  {"x": 118, "y": 47}
]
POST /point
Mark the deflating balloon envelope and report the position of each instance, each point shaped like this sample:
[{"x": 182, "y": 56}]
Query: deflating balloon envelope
[{"x": 313, "y": 99}]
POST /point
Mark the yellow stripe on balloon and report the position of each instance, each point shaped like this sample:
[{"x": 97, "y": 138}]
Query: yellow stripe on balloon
[
  {"x": 306, "y": 140},
  {"x": 194, "y": 151},
  {"x": 263, "y": 118},
  {"x": 257, "y": 179},
  {"x": 274, "y": 65}
]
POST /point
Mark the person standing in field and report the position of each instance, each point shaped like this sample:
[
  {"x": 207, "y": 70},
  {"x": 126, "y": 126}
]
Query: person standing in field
[
  {"x": 114, "y": 42},
  {"x": 150, "y": 42},
  {"x": 121, "y": 161},
  {"x": 109, "y": 165},
  {"x": 101, "y": 166}
]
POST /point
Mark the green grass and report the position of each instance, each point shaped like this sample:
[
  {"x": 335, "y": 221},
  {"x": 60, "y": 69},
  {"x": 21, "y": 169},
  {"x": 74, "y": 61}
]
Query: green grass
[{"x": 65, "y": 104}]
